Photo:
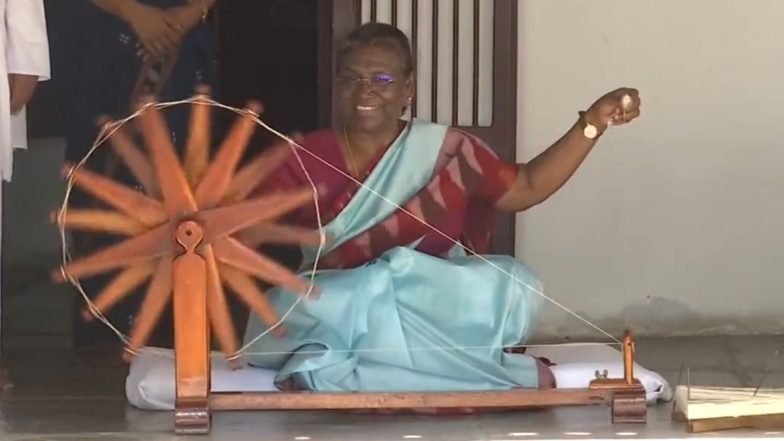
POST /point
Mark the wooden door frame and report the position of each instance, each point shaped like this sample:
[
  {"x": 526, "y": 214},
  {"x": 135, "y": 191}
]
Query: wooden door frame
[
  {"x": 338, "y": 17},
  {"x": 333, "y": 24}
]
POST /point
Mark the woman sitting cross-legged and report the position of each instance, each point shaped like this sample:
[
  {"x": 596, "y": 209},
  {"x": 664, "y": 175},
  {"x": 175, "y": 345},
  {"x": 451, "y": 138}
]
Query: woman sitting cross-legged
[{"x": 402, "y": 307}]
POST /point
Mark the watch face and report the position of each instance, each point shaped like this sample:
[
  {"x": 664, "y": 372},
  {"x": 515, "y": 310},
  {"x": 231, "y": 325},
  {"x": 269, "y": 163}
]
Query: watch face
[{"x": 590, "y": 131}]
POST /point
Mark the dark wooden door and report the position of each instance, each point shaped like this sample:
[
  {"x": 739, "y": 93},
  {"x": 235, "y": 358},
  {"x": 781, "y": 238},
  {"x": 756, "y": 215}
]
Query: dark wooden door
[{"x": 471, "y": 85}]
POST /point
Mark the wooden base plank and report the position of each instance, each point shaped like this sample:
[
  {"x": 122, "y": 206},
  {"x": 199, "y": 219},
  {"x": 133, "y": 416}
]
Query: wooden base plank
[{"x": 352, "y": 401}]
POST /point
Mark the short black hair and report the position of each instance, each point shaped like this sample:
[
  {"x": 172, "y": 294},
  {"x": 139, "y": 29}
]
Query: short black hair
[{"x": 374, "y": 33}]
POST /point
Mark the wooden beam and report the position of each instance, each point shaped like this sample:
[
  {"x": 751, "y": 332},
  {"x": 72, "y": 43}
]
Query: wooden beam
[
  {"x": 517, "y": 399},
  {"x": 191, "y": 335}
]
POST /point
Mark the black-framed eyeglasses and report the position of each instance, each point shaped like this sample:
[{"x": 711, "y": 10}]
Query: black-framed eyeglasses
[{"x": 376, "y": 82}]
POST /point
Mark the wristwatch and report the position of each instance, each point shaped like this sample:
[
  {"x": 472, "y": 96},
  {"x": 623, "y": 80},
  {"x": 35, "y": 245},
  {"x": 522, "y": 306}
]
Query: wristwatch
[{"x": 590, "y": 131}]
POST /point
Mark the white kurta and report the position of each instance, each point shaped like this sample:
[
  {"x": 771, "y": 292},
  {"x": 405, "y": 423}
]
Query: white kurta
[{"x": 24, "y": 49}]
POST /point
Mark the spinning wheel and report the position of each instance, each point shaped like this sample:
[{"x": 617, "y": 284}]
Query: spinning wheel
[
  {"x": 195, "y": 223},
  {"x": 192, "y": 232}
]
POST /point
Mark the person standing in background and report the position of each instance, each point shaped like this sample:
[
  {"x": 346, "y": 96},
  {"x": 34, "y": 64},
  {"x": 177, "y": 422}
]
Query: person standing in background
[
  {"x": 118, "y": 51},
  {"x": 24, "y": 61},
  {"x": 133, "y": 48}
]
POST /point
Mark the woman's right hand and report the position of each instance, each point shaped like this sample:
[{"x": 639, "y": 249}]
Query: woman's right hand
[{"x": 152, "y": 29}]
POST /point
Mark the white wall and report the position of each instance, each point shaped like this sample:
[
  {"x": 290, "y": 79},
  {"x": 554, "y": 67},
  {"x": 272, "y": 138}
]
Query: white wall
[{"x": 675, "y": 224}]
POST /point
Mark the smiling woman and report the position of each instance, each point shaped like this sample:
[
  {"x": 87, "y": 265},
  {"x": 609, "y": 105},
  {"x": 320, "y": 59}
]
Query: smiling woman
[
  {"x": 375, "y": 85},
  {"x": 411, "y": 303}
]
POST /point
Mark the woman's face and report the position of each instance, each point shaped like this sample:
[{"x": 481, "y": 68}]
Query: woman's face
[{"x": 373, "y": 88}]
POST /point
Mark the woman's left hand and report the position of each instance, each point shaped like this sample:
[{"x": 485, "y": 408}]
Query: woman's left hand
[{"x": 613, "y": 109}]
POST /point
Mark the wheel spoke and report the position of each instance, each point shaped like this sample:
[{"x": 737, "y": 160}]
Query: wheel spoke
[
  {"x": 219, "y": 173},
  {"x": 177, "y": 195},
  {"x": 158, "y": 295},
  {"x": 100, "y": 221},
  {"x": 218, "y": 308},
  {"x": 134, "y": 159},
  {"x": 249, "y": 177},
  {"x": 122, "y": 285},
  {"x": 269, "y": 233},
  {"x": 223, "y": 221},
  {"x": 151, "y": 244},
  {"x": 197, "y": 154},
  {"x": 133, "y": 203},
  {"x": 233, "y": 253},
  {"x": 250, "y": 293}
]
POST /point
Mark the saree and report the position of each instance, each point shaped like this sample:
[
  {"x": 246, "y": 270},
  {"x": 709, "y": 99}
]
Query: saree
[{"x": 402, "y": 307}]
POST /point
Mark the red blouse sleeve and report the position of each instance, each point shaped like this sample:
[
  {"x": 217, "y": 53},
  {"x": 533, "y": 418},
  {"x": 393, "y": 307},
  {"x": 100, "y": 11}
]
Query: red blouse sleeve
[{"x": 497, "y": 176}]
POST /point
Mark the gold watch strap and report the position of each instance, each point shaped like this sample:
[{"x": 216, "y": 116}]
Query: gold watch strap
[{"x": 584, "y": 123}]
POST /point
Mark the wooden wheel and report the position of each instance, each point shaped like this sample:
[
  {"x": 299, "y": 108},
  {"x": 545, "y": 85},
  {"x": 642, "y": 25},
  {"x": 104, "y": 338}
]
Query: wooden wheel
[{"x": 213, "y": 192}]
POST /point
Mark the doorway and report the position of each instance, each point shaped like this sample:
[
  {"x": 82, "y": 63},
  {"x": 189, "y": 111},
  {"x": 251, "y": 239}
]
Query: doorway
[{"x": 268, "y": 50}]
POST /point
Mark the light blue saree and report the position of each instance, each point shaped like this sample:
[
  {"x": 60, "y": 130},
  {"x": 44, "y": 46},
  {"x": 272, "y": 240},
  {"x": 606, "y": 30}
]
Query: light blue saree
[{"x": 406, "y": 321}]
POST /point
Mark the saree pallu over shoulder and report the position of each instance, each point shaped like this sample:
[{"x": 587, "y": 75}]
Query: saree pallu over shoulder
[
  {"x": 398, "y": 176},
  {"x": 404, "y": 319},
  {"x": 451, "y": 199}
]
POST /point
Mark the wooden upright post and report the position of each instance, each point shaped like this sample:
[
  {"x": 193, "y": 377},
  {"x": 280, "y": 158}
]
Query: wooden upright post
[
  {"x": 628, "y": 357},
  {"x": 191, "y": 335}
]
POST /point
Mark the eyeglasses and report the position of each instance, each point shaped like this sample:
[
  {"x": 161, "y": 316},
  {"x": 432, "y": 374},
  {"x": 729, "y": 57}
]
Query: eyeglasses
[{"x": 376, "y": 82}]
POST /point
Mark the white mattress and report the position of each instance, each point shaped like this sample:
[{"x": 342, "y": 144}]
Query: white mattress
[{"x": 150, "y": 383}]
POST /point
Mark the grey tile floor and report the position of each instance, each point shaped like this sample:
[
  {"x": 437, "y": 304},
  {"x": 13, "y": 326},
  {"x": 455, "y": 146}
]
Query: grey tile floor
[{"x": 55, "y": 398}]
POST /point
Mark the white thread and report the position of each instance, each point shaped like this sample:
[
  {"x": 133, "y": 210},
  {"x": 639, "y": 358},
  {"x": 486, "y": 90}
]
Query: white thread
[
  {"x": 205, "y": 100},
  {"x": 626, "y": 101},
  {"x": 428, "y": 349},
  {"x": 322, "y": 242},
  {"x": 511, "y": 276},
  {"x": 361, "y": 184}
]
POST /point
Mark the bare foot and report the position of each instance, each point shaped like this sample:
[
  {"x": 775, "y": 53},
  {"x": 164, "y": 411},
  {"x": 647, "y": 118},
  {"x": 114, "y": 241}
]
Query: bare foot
[{"x": 546, "y": 376}]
